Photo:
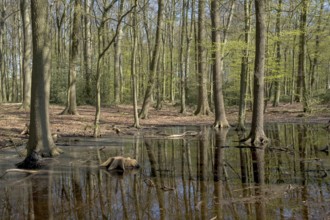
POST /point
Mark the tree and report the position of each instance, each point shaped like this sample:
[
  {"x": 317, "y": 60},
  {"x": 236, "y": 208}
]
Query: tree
[
  {"x": 40, "y": 140},
  {"x": 182, "y": 63},
  {"x": 118, "y": 58},
  {"x": 87, "y": 52},
  {"x": 154, "y": 62},
  {"x": 133, "y": 68},
  {"x": 101, "y": 52},
  {"x": 71, "y": 105},
  {"x": 203, "y": 107},
  {"x": 2, "y": 24},
  {"x": 257, "y": 135},
  {"x": 301, "y": 81},
  {"x": 244, "y": 67},
  {"x": 301, "y": 55},
  {"x": 102, "y": 48},
  {"x": 277, "y": 89},
  {"x": 185, "y": 42},
  {"x": 219, "y": 106},
  {"x": 26, "y": 59}
]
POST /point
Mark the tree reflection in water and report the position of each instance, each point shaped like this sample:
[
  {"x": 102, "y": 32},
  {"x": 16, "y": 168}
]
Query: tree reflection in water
[{"x": 202, "y": 177}]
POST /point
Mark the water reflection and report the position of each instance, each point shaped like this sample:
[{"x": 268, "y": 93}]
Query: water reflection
[{"x": 204, "y": 177}]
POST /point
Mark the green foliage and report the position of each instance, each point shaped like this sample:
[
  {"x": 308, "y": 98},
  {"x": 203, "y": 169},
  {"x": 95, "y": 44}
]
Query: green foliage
[
  {"x": 325, "y": 97},
  {"x": 59, "y": 83}
]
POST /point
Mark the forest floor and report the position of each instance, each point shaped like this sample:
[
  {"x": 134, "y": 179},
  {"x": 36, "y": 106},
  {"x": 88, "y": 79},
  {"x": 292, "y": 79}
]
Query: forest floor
[{"x": 13, "y": 120}]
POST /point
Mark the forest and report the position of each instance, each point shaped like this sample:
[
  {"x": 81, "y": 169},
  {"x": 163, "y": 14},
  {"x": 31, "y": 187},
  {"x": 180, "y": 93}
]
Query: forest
[
  {"x": 108, "y": 49},
  {"x": 163, "y": 109}
]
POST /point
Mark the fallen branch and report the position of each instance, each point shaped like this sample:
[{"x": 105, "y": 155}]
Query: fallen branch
[
  {"x": 20, "y": 171},
  {"x": 181, "y": 135}
]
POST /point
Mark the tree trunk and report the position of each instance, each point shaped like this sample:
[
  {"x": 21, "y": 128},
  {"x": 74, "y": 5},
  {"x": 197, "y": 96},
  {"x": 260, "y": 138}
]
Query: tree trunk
[
  {"x": 160, "y": 69},
  {"x": 277, "y": 83},
  {"x": 244, "y": 67},
  {"x": 102, "y": 48},
  {"x": 203, "y": 107},
  {"x": 117, "y": 58},
  {"x": 257, "y": 135},
  {"x": 26, "y": 59},
  {"x": 182, "y": 63},
  {"x": 301, "y": 56},
  {"x": 133, "y": 69},
  {"x": 2, "y": 74},
  {"x": 14, "y": 86},
  {"x": 40, "y": 139},
  {"x": 87, "y": 52},
  {"x": 153, "y": 64},
  {"x": 171, "y": 42},
  {"x": 71, "y": 107},
  {"x": 219, "y": 106}
]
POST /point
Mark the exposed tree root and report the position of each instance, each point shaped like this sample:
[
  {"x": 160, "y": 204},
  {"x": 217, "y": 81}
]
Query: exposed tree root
[
  {"x": 200, "y": 112},
  {"x": 260, "y": 140},
  {"x": 257, "y": 140},
  {"x": 68, "y": 111},
  {"x": 221, "y": 124},
  {"x": 31, "y": 162},
  {"x": 136, "y": 125}
]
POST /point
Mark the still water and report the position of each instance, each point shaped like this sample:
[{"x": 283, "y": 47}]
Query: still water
[{"x": 208, "y": 176}]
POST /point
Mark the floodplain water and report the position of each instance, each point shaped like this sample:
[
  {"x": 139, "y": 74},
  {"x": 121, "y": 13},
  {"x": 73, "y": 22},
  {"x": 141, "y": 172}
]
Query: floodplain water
[{"x": 207, "y": 175}]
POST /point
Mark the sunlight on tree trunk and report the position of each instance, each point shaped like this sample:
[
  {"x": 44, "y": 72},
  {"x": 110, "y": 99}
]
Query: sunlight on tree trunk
[
  {"x": 71, "y": 107},
  {"x": 26, "y": 59},
  {"x": 87, "y": 52},
  {"x": 244, "y": 76},
  {"x": 117, "y": 58},
  {"x": 257, "y": 135},
  {"x": 277, "y": 83},
  {"x": 219, "y": 105},
  {"x": 203, "y": 107},
  {"x": 133, "y": 68},
  {"x": 40, "y": 140}
]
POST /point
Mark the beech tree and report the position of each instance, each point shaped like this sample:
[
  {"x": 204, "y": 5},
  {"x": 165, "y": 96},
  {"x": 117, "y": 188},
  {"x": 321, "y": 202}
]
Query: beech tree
[
  {"x": 203, "y": 107},
  {"x": 71, "y": 105},
  {"x": 118, "y": 59},
  {"x": 277, "y": 89},
  {"x": 133, "y": 67},
  {"x": 154, "y": 62},
  {"x": 87, "y": 51},
  {"x": 102, "y": 47},
  {"x": 40, "y": 141},
  {"x": 244, "y": 67},
  {"x": 26, "y": 58},
  {"x": 219, "y": 106},
  {"x": 182, "y": 70},
  {"x": 257, "y": 135},
  {"x": 301, "y": 80}
]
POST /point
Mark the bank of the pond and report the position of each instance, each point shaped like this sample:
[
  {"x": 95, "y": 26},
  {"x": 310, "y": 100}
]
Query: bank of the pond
[{"x": 13, "y": 120}]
